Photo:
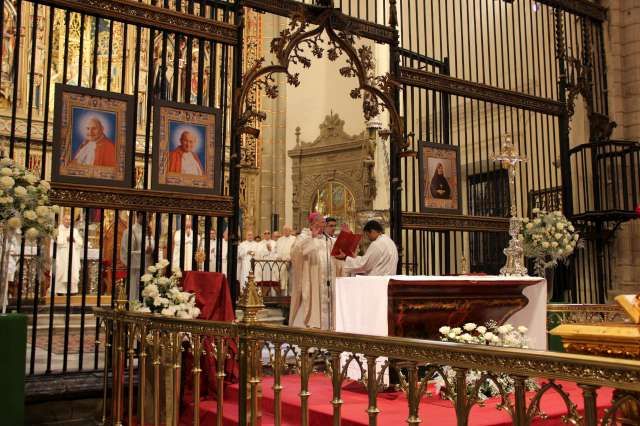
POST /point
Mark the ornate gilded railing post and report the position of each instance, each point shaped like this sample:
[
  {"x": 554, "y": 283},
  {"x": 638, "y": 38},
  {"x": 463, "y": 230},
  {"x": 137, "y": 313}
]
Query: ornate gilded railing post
[
  {"x": 250, "y": 304},
  {"x": 520, "y": 403},
  {"x": 197, "y": 353},
  {"x": 462, "y": 413},
  {"x": 108, "y": 332},
  {"x": 277, "y": 385},
  {"x": 336, "y": 381},
  {"x": 304, "y": 385},
  {"x": 589, "y": 395},
  {"x": 412, "y": 395},
  {"x": 220, "y": 375},
  {"x": 142, "y": 369},
  {"x": 372, "y": 385},
  {"x": 118, "y": 355}
]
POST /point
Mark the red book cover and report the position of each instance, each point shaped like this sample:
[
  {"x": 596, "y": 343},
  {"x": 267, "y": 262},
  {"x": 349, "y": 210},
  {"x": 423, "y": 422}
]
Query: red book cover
[{"x": 347, "y": 242}]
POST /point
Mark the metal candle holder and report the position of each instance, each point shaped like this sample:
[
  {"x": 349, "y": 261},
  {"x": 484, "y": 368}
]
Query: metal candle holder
[{"x": 514, "y": 251}]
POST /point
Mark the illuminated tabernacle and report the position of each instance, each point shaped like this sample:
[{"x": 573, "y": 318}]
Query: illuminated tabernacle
[{"x": 315, "y": 212}]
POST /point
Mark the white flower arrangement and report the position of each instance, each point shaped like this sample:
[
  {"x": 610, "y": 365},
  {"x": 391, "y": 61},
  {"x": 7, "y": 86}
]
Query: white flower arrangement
[
  {"x": 163, "y": 295},
  {"x": 24, "y": 201},
  {"x": 490, "y": 335},
  {"x": 548, "y": 237}
]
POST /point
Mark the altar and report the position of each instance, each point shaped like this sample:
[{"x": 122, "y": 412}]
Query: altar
[{"x": 417, "y": 306}]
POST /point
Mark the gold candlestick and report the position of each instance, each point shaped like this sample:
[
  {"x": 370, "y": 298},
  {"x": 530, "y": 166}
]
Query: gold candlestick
[{"x": 510, "y": 158}]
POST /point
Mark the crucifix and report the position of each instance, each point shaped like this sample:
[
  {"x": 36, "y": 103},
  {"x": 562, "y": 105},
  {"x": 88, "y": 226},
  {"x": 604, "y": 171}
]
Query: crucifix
[{"x": 510, "y": 158}]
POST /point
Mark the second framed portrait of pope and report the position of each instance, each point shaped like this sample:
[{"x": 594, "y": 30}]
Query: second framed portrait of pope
[
  {"x": 439, "y": 178},
  {"x": 186, "y": 148},
  {"x": 93, "y": 137}
]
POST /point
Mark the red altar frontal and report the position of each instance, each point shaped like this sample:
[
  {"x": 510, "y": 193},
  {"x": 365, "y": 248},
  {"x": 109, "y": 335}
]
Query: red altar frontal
[{"x": 418, "y": 306}]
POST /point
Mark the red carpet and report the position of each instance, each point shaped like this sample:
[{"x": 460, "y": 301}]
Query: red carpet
[{"x": 393, "y": 406}]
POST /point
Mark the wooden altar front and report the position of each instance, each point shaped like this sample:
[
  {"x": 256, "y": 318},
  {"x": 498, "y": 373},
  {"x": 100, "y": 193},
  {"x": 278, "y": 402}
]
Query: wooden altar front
[{"x": 418, "y": 308}]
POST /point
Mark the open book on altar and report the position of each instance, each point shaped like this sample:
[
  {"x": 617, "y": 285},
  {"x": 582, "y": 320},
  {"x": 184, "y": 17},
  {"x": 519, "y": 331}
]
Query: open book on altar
[
  {"x": 630, "y": 303},
  {"x": 347, "y": 242}
]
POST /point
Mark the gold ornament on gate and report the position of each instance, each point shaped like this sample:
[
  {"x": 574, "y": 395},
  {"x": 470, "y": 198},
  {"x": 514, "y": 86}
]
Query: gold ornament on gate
[
  {"x": 510, "y": 158},
  {"x": 251, "y": 301}
]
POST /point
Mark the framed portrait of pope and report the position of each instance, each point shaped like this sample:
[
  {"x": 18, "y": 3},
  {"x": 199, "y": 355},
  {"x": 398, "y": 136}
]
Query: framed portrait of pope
[
  {"x": 93, "y": 137},
  {"x": 186, "y": 148},
  {"x": 439, "y": 178}
]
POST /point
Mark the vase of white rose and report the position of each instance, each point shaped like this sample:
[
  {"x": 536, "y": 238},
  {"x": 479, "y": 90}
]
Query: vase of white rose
[
  {"x": 162, "y": 295},
  {"x": 24, "y": 210},
  {"x": 548, "y": 237},
  {"x": 490, "y": 334}
]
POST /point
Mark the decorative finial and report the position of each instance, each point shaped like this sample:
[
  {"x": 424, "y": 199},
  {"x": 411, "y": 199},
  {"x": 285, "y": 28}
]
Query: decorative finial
[
  {"x": 393, "y": 14},
  {"x": 251, "y": 301},
  {"x": 121, "y": 301}
]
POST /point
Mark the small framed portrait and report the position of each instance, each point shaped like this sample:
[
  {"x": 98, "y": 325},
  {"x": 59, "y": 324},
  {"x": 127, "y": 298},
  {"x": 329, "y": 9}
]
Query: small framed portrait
[
  {"x": 187, "y": 146},
  {"x": 439, "y": 178},
  {"x": 93, "y": 137}
]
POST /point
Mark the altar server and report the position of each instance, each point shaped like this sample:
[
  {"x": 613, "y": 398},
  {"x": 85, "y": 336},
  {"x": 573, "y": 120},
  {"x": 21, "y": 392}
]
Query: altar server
[
  {"x": 246, "y": 251},
  {"x": 188, "y": 247},
  {"x": 67, "y": 237},
  {"x": 381, "y": 258},
  {"x": 284, "y": 243}
]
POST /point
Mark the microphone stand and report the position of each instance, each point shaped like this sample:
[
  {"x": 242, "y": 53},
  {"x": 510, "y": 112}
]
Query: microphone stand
[{"x": 328, "y": 254}]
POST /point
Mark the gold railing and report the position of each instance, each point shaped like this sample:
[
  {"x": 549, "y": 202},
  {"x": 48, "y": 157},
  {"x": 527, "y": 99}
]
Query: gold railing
[
  {"x": 153, "y": 350},
  {"x": 584, "y": 314}
]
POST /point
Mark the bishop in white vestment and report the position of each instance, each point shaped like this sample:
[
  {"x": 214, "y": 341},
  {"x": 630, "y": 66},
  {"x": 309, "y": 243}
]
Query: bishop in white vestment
[
  {"x": 310, "y": 264},
  {"x": 381, "y": 258},
  {"x": 66, "y": 237}
]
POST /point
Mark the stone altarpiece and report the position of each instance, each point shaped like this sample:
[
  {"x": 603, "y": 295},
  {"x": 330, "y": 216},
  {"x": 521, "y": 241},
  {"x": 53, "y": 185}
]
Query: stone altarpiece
[{"x": 334, "y": 157}]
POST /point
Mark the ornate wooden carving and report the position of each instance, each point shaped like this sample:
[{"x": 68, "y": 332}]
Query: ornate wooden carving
[
  {"x": 133, "y": 12},
  {"x": 133, "y": 199},
  {"x": 359, "y": 27},
  {"x": 294, "y": 46},
  {"x": 483, "y": 92},
  {"x": 579, "y": 7},
  {"x": 439, "y": 222}
]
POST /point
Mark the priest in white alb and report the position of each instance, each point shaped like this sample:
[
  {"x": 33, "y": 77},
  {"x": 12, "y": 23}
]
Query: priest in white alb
[
  {"x": 381, "y": 257},
  {"x": 188, "y": 246},
  {"x": 67, "y": 237},
  {"x": 283, "y": 250},
  {"x": 246, "y": 251}
]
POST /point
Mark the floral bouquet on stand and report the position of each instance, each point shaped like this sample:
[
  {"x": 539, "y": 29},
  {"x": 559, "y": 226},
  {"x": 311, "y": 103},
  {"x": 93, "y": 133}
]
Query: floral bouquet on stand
[
  {"x": 489, "y": 335},
  {"x": 548, "y": 238},
  {"x": 163, "y": 295},
  {"x": 24, "y": 209}
]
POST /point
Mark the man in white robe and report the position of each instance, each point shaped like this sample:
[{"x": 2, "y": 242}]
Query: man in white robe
[
  {"x": 136, "y": 253},
  {"x": 188, "y": 246},
  {"x": 67, "y": 237},
  {"x": 283, "y": 250},
  {"x": 310, "y": 294},
  {"x": 266, "y": 251},
  {"x": 381, "y": 258},
  {"x": 246, "y": 251}
]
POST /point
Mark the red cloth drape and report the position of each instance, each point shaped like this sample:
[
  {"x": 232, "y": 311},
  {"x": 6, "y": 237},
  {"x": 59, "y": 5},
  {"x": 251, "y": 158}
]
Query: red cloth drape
[{"x": 213, "y": 298}]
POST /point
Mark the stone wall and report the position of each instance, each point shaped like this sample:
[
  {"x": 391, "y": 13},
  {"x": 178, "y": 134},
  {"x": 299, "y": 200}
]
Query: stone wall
[{"x": 623, "y": 73}]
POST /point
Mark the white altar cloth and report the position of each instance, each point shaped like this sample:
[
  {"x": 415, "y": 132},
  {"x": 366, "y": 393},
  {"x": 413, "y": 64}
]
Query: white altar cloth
[{"x": 361, "y": 305}]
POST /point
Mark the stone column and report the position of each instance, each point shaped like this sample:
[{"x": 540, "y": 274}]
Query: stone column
[{"x": 623, "y": 72}]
